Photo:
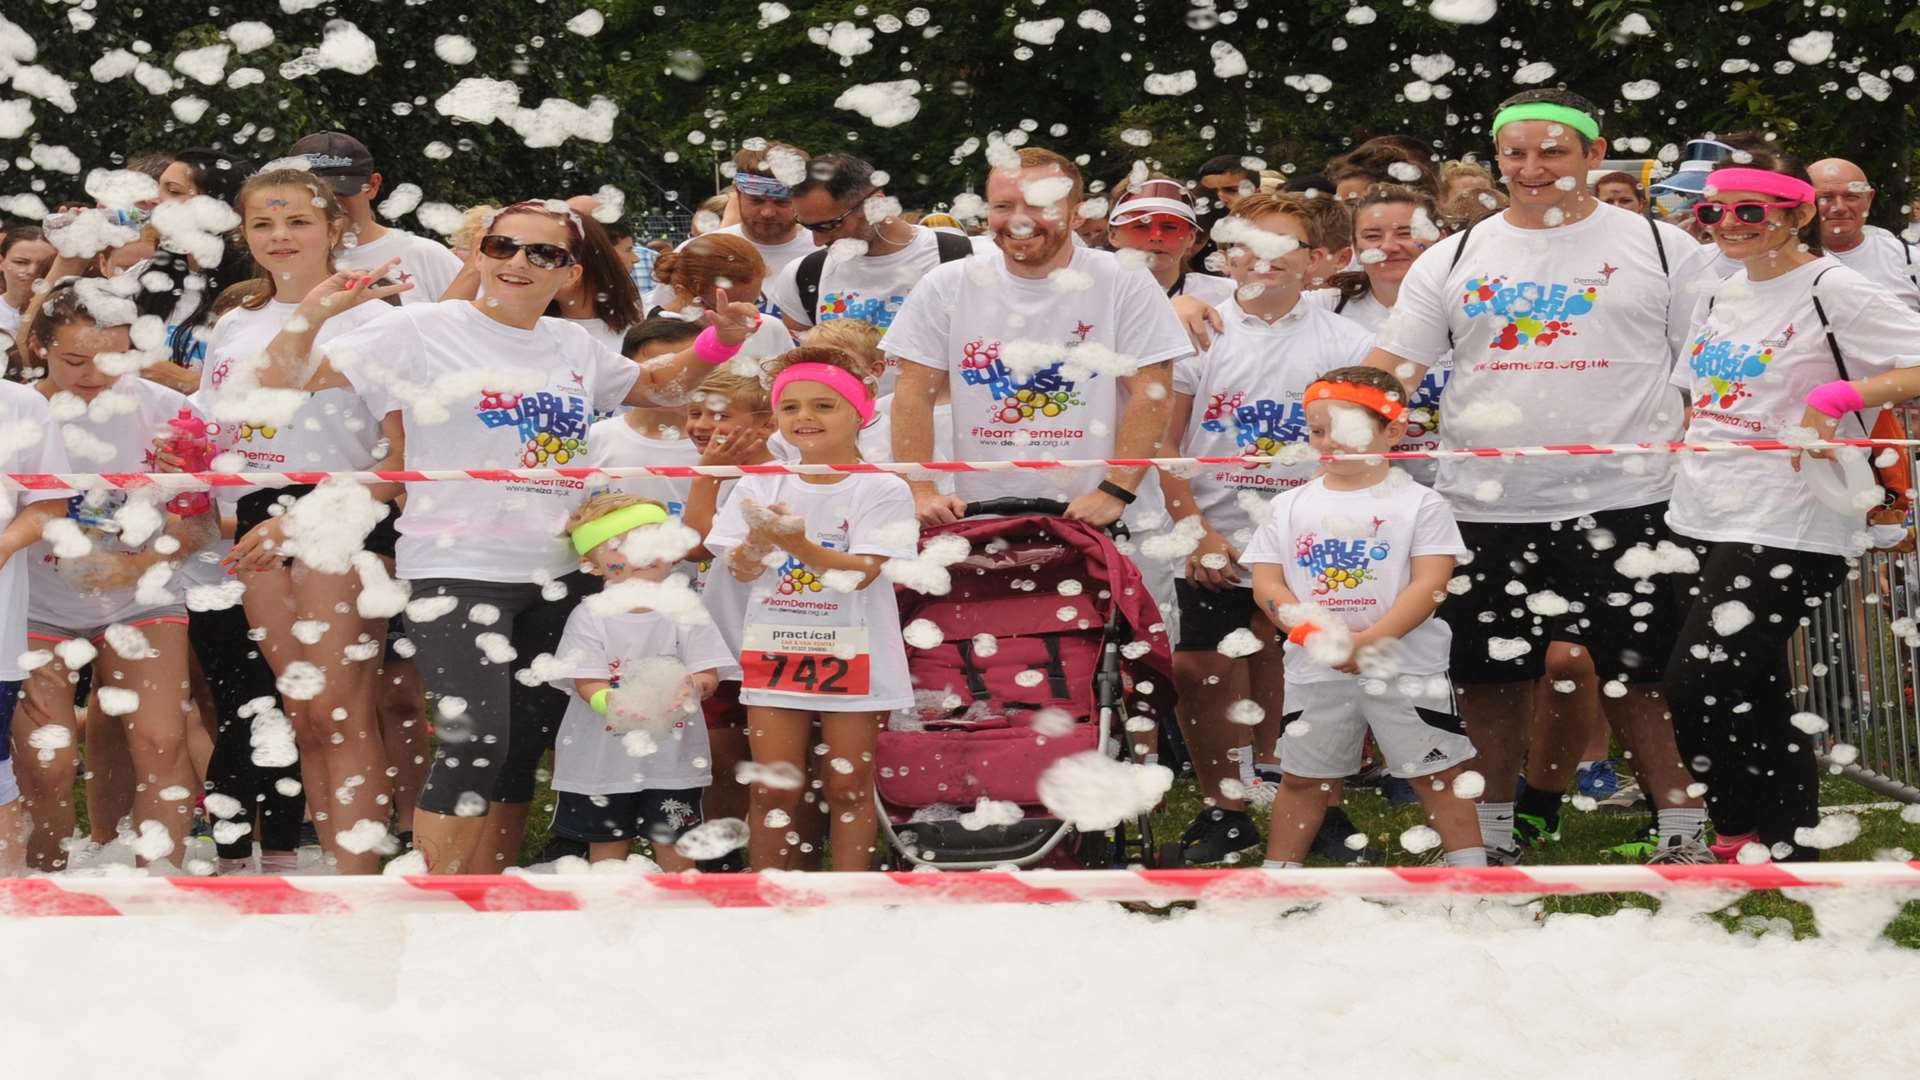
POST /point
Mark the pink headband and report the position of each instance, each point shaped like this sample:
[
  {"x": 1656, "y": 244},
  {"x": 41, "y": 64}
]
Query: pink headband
[
  {"x": 838, "y": 379},
  {"x": 1763, "y": 181}
]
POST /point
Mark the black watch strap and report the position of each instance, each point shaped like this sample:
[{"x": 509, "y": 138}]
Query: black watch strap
[{"x": 1118, "y": 492}]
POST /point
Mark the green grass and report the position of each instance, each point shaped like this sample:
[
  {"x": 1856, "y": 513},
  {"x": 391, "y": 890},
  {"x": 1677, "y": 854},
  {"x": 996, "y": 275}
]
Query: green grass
[{"x": 1588, "y": 838}]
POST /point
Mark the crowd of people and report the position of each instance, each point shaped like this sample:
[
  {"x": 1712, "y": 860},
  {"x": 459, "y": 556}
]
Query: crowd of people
[{"x": 378, "y": 669}]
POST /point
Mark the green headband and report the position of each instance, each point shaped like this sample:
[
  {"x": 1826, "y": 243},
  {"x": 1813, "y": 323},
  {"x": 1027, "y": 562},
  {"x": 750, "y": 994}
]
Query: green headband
[
  {"x": 1547, "y": 110},
  {"x": 607, "y": 526}
]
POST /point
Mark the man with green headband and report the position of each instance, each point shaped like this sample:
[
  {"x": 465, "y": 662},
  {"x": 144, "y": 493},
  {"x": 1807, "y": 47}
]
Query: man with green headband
[{"x": 1564, "y": 316}]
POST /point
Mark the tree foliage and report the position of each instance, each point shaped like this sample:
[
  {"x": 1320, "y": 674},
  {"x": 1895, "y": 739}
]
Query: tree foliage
[{"x": 1290, "y": 81}]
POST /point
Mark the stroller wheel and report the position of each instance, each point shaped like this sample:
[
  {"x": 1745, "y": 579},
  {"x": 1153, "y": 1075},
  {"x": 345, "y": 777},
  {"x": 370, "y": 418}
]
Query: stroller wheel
[{"x": 1093, "y": 850}]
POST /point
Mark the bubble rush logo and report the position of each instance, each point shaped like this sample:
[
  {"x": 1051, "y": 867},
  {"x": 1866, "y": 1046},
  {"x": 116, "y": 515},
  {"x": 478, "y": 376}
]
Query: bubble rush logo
[
  {"x": 553, "y": 427},
  {"x": 796, "y": 580},
  {"x": 1044, "y": 396},
  {"x": 1261, "y": 426},
  {"x": 1535, "y": 314},
  {"x": 1726, "y": 367},
  {"x": 1336, "y": 564},
  {"x": 878, "y": 310}
]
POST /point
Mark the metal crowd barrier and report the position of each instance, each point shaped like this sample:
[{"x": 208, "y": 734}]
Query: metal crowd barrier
[{"x": 1857, "y": 670}]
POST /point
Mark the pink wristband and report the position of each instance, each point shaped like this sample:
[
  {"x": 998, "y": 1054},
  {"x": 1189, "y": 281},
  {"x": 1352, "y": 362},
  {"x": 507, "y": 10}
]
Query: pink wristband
[
  {"x": 710, "y": 348},
  {"x": 1836, "y": 399}
]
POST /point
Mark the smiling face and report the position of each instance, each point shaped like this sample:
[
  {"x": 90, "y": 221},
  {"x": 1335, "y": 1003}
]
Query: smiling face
[
  {"x": 1543, "y": 164},
  {"x": 1845, "y": 198},
  {"x": 26, "y": 262},
  {"x": 1030, "y": 233},
  {"x": 516, "y": 285},
  {"x": 1744, "y": 240},
  {"x": 816, "y": 419},
  {"x": 71, "y": 353},
  {"x": 287, "y": 235},
  {"x": 1251, "y": 266},
  {"x": 1387, "y": 228}
]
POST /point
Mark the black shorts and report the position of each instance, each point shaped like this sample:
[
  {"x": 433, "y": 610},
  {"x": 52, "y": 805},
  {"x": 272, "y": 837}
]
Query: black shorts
[
  {"x": 1207, "y": 616},
  {"x": 1627, "y": 625},
  {"x": 257, "y": 506},
  {"x": 659, "y": 815}
]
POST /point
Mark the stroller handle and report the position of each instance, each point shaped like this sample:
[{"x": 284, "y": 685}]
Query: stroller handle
[{"x": 1010, "y": 506}]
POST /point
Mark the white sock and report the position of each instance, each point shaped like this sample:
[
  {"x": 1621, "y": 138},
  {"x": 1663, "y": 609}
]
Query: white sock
[
  {"x": 1279, "y": 864},
  {"x": 1690, "y": 822},
  {"x": 1472, "y": 856},
  {"x": 1496, "y": 825}
]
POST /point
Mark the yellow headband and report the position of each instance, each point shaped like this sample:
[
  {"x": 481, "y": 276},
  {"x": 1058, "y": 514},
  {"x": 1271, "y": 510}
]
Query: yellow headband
[{"x": 592, "y": 534}]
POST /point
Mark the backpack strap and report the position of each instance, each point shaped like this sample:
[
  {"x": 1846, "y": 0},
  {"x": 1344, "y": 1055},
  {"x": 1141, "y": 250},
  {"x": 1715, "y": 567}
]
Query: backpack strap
[
  {"x": 1452, "y": 265},
  {"x": 807, "y": 280},
  {"x": 1660, "y": 248},
  {"x": 952, "y": 245},
  {"x": 1908, "y": 249},
  {"x": 1833, "y": 343}
]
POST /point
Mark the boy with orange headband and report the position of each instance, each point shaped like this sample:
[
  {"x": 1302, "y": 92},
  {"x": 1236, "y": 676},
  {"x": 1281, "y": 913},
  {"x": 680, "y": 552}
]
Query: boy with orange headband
[
  {"x": 1353, "y": 563},
  {"x": 631, "y": 758}
]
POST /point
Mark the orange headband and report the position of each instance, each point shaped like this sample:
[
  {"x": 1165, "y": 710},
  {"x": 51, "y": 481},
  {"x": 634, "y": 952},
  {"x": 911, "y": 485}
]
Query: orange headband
[{"x": 1366, "y": 396}]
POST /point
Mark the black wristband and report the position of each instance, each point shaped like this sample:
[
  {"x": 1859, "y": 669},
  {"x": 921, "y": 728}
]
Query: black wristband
[{"x": 1117, "y": 492}]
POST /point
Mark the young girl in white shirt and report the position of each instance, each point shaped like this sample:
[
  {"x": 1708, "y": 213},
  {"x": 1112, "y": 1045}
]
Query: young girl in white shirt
[
  {"x": 821, "y": 642},
  {"x": 1784, "y": 332}
]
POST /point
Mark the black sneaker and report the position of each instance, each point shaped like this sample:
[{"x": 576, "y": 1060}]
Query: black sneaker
[
  {"x": 1330, "y": 843},
  {"x": 1216, "y": 834},
  {"x": 309, "y": 836},
  {"x": 1397, "y": 792}
]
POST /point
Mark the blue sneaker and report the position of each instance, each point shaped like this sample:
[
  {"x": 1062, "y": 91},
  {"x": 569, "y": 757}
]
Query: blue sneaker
[{"x": 1597, "y": 781}]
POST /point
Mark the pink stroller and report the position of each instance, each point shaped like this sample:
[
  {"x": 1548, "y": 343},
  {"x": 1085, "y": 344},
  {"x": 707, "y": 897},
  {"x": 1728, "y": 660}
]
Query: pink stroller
[{"x": 1028, "y": 672}]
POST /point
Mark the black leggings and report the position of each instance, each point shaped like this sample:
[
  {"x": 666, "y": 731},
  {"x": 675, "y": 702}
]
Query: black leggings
[
  {"x": 488, "y": 752},
  {"x": 1731, "y": 706},
  {"x": 237, "y": 674}
]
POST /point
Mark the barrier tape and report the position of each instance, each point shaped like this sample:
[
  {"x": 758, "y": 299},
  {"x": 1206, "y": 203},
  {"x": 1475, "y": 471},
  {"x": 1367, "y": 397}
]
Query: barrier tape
[
  {"x": 171, "y": 483},
  {"x": 130, "y": 894}
]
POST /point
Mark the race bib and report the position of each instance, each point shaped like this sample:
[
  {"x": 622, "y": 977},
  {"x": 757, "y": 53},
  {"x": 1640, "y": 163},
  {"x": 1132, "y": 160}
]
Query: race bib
[{"x": 781, "y": 658}]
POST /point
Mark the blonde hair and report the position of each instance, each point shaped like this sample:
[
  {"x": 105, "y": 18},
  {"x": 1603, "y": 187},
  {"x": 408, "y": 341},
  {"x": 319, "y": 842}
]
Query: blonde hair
[
  {"x": 473, "y": 221},
  {"x": 857, "y": 337},
  {"x": 744, "y": 391},
  {"x": 606, "y": 503}
]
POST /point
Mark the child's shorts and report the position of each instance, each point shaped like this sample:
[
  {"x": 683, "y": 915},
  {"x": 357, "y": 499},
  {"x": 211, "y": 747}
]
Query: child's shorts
[
  {"x": 42, "y": 632},
  {"x": 660, "y": 815},
  {"x": 722, "y": 708},
  {"x": 1416, "y": 736}
]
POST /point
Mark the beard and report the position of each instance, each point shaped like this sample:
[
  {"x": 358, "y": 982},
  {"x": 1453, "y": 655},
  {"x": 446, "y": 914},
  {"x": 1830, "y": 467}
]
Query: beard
[{"x": 1038, "y": 246}]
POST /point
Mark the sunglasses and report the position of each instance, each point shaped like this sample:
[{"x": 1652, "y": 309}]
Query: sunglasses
[
  {"x": 1752, "y": 213},
  {"x": 825, "y": 226},
  {"x": 544, "y": 256}
]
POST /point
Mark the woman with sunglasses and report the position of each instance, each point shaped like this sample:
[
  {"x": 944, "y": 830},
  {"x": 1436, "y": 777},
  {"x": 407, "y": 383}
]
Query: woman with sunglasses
[
  {"x": 1791, "y": 320},
  {"x": 479, "y": 384}
]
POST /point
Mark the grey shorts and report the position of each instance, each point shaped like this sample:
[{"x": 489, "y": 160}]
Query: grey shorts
[
  {"x": 1413, "y": 720},
  {"x": 38, "y": 631}
]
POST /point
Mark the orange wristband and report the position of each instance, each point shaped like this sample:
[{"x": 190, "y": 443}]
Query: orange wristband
[{"x": 1301, "y": 632}]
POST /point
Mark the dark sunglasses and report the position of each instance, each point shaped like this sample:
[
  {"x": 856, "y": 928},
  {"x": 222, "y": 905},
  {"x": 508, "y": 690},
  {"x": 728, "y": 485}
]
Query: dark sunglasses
[
  {"x": 544, "y": 256},
  {"x": 1753, "y": 213},
  {"x": 825, "y": 226}
]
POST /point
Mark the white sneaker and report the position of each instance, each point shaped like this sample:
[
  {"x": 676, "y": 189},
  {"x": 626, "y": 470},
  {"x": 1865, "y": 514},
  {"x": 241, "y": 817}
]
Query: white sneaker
[{"x": 1682, "y": 851}]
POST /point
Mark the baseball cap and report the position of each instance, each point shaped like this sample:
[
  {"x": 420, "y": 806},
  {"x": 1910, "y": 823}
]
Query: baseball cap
[
  {"x": 344, "y": 160},
  {"x": 1154, "y": 198}
]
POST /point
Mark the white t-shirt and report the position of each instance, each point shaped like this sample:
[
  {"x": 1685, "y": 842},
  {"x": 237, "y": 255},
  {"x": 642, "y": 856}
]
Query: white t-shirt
[
  {"x": 589, "y": 757},
  {"x": 1756, "y": 353},
  {"x": 1562, "y": 335},
  {"x": 776, "y": 256},
  {"x": 876, "y": 439},
  {"x": 1210, "y": 288},
  {"x": 862, "y": 287},
  {"x": 614, "y": 442},
  {"x": 792, "y": 613},
  {"x": 426, "y": 362},
  {"x": 27, "y": 444},
  {"x": 120, "y": 443},
  {"x": 610, "y": 339},
  {"x": 1352, "y": 553},
  {"x": 1247, "y": 389},
  {"x": 9, "y": 322},
  {"x": 1886, "y": 260},
  {"x": 966, "y": 314},
  {"x": 331, "y": 430},
  {"x": 424, "y": 262}
]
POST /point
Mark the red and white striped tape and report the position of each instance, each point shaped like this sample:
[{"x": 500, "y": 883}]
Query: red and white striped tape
[
  {"x": 200, "y": 481},
  {"x": 133, "y": 895}
]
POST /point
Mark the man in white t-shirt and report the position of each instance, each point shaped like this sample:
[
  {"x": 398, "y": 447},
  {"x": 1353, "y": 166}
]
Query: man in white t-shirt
[
  {"x": 1882, "y": 257},
  {"x": 349, "y": 166},
  {"x": 866, "y": 260},
  {"x": 1564, "y": 316},
  {"x": 1050, "y": 351}
]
